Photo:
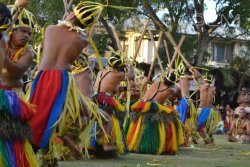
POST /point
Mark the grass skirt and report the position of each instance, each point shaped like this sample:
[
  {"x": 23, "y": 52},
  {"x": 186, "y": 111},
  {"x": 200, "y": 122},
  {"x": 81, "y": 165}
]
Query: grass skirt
[
  {"x": 60, "y": 109},
  {"x": 207, "y": 120},
  {"x": 116, "y": 112},
  {"x": 153, "y": 128},
  {"x": 188, "y": 116},
  {"x": 15, "y": 149}
]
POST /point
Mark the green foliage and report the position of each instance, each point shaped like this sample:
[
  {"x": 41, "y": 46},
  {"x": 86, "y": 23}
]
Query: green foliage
[
  {"x": 241, "y": 65},
  {"x": 47, "y": 12},
  {"x": 101, "y": 41}
]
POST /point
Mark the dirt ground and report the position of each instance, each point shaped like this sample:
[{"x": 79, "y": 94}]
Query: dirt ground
[{"x": 223, "y": 154}]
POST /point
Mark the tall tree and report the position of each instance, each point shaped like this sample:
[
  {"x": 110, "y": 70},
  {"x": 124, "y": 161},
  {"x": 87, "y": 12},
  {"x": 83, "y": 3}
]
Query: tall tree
[{"x": 228, "y": 11}]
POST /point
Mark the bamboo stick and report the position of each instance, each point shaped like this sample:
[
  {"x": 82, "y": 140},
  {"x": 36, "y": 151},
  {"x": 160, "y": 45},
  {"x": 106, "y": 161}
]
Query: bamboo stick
[
  {"x": 155, "y": 55},
  {"x": 118, "y": 42},
  {"x": 177, "y": 50},
  {"x": 140, "y": 41},
  {"x": 166, "y": 50},
  {"x": 156, "y": 49},
  {"x": 169, "y": 36}
]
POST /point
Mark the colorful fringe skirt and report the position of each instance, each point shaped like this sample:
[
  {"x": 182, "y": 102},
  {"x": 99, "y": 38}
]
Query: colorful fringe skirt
[
  {"x": 207, "y": 120},
  {"x": 15, "y": 133},
  {"x": 59, "y": 107},
  {"x": 188, "y": 116},
  {"x": 116, "y": 112},
  {"x": 153, "y": 128}
]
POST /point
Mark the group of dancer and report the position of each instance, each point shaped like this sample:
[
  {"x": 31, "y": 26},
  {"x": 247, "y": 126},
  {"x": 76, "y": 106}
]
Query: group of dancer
[{"x": 66, "y": 105}]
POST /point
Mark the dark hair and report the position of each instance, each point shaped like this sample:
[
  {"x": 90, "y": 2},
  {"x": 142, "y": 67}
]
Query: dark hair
[
  {"x": 77, "y": 22},
  {"x": 5, "y": 13},
  {"x": 187, "y": 72},
  {"x": 170, "y": 81}
]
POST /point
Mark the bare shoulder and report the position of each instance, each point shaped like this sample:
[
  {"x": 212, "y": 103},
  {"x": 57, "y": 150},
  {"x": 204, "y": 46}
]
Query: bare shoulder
[
  {"x": 155, "y": 83},
  {"x": 52, "y": 29},
  {"x": 29, "y": 52},
  {"x": 119, "y": 73}
]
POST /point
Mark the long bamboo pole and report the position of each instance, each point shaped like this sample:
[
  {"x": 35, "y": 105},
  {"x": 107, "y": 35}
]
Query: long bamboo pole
[
  {"x": 118, "y": 42},
  {"x": 155, "y": 55},
  {"x": 156, "y": 49},
  {"x": 140, "y": 41},
  {"x": 170, "y": 38},
  {"x": 166, "y": 50},
  {"x": 177, "y": 50},
  {"x": 67, "y": 7}
]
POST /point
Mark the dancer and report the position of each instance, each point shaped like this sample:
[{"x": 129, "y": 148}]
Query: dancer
[
  {"x": 19, "y": 53},
  {"x": 106, "y": 87},
  {"x": 54, "y": 92},
  {"x": 154, "y": 128},
  {"x": 187, "y": 109},
  {"x": 15, "y": 148},
  {"x": 208, "y": 118}
]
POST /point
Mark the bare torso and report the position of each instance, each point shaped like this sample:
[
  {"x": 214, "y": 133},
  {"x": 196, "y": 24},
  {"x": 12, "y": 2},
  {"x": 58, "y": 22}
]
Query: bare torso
[
  {"x": 240, "y": 126},
  {"x": 164, "y": 94},
  {"x": 13, "y": 77},
  {"x": 61, "y": 48},
  {"x": 211, "y": 94},
  {"x": 2, "y": 57},
  {"x": 108, "y": 81},
  {"x": 204, "y": 95},
  {"x": 84, "y": 82}
]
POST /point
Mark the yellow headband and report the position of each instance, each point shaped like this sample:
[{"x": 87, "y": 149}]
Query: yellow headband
[
  {"x": 88, "y": 12},
  {"x": 25, "y": 19},
  {"x": 81, "y": 61},
  {"x": 116, "y": 59}
]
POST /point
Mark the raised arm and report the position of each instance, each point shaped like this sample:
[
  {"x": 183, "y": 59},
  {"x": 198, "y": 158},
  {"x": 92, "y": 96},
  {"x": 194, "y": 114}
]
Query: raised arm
[{"x": 21, "y": 65}]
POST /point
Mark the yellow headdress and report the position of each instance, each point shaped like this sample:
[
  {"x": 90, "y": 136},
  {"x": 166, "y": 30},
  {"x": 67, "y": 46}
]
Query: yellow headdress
[
  {"x": 117, "y": 60},
  {"x": 80, "y": 64},
  {"x": 170, "y": 78},
  {"x": 207, "y": 78},
  {"x": 88, "y": 12},
  {"x": 25, "y": 19}
]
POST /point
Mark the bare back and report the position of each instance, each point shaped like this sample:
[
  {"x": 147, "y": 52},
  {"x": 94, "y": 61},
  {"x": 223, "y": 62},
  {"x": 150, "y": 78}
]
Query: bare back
[
  {"x": 211, "y": 94},
  {"x": 84, "y": 82},
  {"x": 61, "y": 48},
  {"x": 185, "y": 85},
  {"x": 108, "y": 81},
  {"x": 163, "y": 93},
  {"x": 203, "y": 95}
]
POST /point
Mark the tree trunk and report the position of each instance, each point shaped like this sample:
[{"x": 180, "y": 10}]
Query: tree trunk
[
  {"x": 153, "y": 16},
  {"x": 202, "y": 47},
  {"x": 110, "y": 33}
]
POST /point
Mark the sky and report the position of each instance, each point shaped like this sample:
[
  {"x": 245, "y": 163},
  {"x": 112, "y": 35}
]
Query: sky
[{"x": 210, "y": 13}]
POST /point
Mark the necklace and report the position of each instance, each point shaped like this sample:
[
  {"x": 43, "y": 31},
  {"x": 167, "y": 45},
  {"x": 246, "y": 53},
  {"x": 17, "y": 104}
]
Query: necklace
[
  {"x": 239, "y": 123},
  {"x": 17, "y": 53},
  {"x": 71, "y": 27}
]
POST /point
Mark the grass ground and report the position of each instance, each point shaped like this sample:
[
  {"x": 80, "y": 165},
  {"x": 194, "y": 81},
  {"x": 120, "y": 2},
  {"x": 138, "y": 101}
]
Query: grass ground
[{"x": 223, "y": 154}]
